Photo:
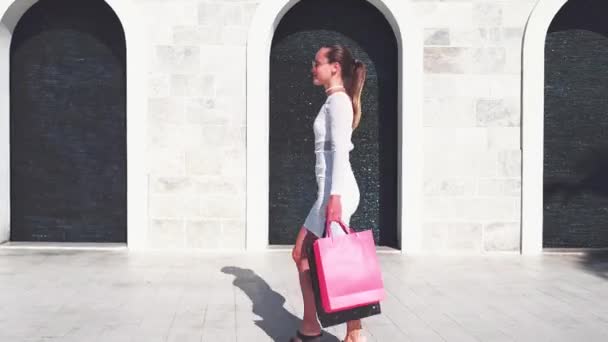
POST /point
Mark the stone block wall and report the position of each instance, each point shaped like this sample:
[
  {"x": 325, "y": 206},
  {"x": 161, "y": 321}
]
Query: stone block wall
[
  {"x": 472, "y": 120},
  {"x": 196, "y": 122},
  {"x": 197, "y": 118}
]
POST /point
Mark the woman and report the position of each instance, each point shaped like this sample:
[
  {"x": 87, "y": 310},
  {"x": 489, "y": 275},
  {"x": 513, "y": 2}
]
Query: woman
[{"x": 343, "y": 77}]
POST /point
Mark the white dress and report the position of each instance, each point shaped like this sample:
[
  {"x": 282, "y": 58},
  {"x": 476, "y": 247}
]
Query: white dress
[{"x": 333, "y": 131}]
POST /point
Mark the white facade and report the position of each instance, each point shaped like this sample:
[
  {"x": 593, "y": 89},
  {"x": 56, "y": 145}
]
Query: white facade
[{"x": 197, "y": 121}]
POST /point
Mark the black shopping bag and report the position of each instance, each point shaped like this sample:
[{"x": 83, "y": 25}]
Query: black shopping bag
[{"x": 338, "y": 317}]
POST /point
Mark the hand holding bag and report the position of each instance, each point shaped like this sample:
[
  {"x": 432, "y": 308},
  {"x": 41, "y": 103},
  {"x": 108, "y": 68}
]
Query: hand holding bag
[{"x": 347, "y": 268}]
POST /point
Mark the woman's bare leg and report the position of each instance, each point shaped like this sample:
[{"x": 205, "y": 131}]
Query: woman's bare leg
[
  {"x": 353, "y": 331},
  {"x": 310, "y": 324}
]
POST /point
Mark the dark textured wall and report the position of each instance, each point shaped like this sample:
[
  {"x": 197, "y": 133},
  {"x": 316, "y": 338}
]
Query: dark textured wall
[
  {"x": 576, "y": 127},
  {"x": 295, "y": 101},
  {"x": 68, "y": 124}
]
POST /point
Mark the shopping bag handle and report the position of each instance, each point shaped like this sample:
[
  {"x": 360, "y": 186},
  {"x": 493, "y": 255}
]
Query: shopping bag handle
[{"x": 345, "y": 228}]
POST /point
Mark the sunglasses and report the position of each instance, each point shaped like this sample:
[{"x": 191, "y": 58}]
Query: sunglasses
[{"x": 316, "y": 64}]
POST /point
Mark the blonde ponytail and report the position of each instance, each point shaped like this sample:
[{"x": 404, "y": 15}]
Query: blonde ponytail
[{"x": 355, "y": 90}]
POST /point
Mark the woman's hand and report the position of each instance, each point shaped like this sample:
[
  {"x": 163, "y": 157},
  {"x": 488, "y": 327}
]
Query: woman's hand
[
  {"x": 296, "y": 252},
  {"x": 334, "y": 209}
]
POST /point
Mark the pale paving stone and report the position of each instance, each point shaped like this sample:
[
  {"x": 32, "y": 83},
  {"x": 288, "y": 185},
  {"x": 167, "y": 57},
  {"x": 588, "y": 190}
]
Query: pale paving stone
[{"x": 182, "y": 296}]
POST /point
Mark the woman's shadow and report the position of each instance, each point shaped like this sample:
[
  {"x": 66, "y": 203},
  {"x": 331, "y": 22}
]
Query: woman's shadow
[{"x": 276, "y": 322}]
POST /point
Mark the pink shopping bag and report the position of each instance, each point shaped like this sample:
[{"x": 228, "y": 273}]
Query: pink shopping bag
[{"x": 348, "y": 269}]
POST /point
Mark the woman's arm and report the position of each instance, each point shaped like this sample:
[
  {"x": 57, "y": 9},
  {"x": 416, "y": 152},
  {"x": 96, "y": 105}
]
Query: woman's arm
[
  {"x": 340, "y": 118},
  {"x": 340, "y": 132}
]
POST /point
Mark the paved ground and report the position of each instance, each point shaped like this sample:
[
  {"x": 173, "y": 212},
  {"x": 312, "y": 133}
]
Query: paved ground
[{"x": 59, "y": 295}]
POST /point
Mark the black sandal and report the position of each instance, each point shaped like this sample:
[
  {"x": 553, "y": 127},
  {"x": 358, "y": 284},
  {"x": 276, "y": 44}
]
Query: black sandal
[{"x": 306, "y": 338}]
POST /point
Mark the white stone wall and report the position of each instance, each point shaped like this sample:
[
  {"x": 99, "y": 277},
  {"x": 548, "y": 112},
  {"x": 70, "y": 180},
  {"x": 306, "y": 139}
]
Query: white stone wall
[
  {"x": 196, "y": 122},
  {"x": 197, "y": 118},
  {"x": 472, "y": 168}
]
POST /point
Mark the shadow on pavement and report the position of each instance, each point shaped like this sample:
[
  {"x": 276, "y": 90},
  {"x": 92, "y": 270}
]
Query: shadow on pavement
[{"x": 277, "y": 322}]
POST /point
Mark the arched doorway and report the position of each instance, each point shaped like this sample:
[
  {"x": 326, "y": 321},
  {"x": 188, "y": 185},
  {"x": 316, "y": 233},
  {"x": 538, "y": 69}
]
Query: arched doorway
[
  {"x": 575, "y": 164},
  {"x": 68, "y": 124},
  {"x": 294, "y": 102}
]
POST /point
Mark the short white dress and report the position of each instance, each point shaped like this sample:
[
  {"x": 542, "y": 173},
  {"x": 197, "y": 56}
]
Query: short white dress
[{"x": 333, "y": 131}]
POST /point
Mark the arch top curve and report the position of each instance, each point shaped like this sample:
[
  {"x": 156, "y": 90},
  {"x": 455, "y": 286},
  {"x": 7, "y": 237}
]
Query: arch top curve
[
  {"x": 269, "y": 13},
  {"x": 13, "y": 10},
  {"x": 540, "y": 19}
]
